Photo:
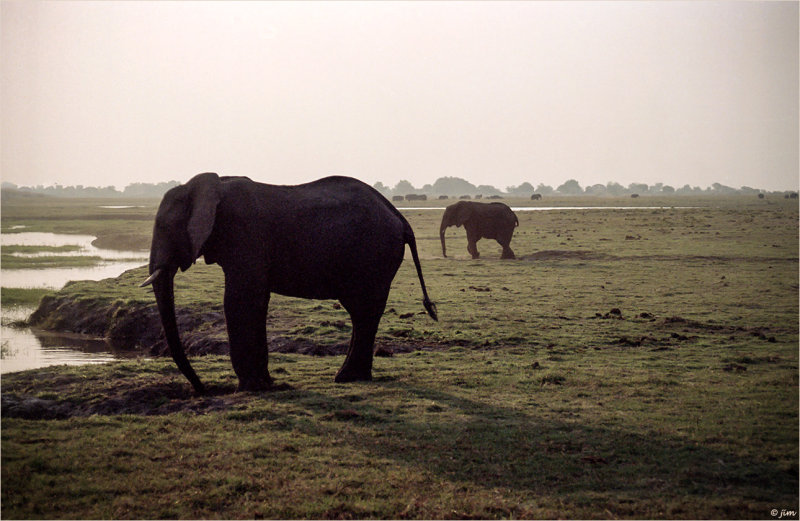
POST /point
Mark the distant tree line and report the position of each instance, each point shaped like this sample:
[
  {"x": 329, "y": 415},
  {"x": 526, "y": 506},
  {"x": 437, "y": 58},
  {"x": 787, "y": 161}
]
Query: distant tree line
[
  {"x": 452, "y": 187},
  {"x": 457, "y": 187},
  {"x": 132, "y": 190}
]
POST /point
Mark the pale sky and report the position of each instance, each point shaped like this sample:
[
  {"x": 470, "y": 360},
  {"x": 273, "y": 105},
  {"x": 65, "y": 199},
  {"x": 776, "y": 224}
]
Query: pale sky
[{"x": 110, "y": 93}]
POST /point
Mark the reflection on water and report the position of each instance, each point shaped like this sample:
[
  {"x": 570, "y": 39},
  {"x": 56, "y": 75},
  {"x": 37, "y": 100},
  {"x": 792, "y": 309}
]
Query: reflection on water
[
  {"x": 84, "y": 243},
  {"x": 26, "y": 348},
  {"x": 55, "y": 278},
  {"x": 45, "y": 239}
]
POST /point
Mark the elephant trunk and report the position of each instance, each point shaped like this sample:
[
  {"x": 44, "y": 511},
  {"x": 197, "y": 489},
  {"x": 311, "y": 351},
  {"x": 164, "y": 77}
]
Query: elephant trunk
[{"x": 165, "y": 299}]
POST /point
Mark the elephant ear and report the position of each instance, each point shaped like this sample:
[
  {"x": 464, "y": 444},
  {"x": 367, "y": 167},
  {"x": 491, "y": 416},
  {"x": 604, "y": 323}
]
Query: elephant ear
[
  {"x": 461, "y": 213},
  {"x": 205, "y": 193}
]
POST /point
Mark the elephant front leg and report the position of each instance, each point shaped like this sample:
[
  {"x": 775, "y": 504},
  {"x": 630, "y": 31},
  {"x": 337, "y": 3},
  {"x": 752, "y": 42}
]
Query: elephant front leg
[
  {"x": 472, "y": 243},
  {"x": 246, "y": 304}
]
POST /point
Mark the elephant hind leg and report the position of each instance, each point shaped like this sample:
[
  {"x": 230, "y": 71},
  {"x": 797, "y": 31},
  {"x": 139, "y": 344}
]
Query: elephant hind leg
[
  {"x": 505, "y": 241},
  {"x": 508, "y": 253},
  {"x": 366, "y": 316}
]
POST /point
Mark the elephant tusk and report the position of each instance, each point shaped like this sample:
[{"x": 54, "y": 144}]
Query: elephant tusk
[{"x": 153, "y": 276}]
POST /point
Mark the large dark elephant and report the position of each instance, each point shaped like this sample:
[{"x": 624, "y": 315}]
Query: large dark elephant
[
  {"x": 335, "y": 238},
  {"x": 482, "y": 221}
]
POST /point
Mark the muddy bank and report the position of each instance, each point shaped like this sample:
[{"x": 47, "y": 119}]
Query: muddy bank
[
  {"x": 126, "y": 325},
  {"x": 137, "y": 326},
  {"x": 123, "y": 241}
]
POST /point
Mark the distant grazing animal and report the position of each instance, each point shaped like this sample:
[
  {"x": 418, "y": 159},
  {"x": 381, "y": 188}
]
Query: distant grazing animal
[
  {"x": 443, "y": 197},
  {"x": 481, "y": 221},
  {"x": 398, "y": 198},
  {"x": 536, "y": 197},
  {"x": 634, "y": 196},
  {"x": 335, "y": 238}
]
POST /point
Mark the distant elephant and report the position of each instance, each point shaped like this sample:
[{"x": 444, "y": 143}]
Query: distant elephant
[
  {"x": 335, "y": 238},
  {"x": 482, "y": 221}
]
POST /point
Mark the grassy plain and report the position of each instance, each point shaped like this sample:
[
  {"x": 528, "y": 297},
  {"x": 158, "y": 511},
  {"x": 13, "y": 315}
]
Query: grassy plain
[
  {"x": 636, "y": 363},
  {"x": 123, "y": 224}
]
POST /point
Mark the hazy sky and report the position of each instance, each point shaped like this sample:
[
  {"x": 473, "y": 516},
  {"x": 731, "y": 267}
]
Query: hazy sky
[{"x": 109, "y": 93}]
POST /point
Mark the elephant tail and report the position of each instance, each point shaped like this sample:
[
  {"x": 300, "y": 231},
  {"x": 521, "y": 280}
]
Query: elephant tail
[{"x": 430, "y": 307}]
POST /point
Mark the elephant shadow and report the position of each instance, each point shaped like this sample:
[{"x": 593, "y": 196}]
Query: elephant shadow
[
  {"x": 495, "y": 446},
  {"x": 535, "y": 451}
]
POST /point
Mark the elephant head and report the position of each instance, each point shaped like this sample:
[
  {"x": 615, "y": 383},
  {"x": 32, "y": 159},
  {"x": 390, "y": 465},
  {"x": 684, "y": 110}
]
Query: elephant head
[
  {"x": 183, "y": 223},
  {"x": 454, "y": 215}
]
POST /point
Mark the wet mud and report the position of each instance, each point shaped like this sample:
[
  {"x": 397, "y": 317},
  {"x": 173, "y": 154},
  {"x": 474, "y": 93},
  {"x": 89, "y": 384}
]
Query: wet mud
[
  {"x": 160, "y": 396},
  {"x": 138, "y": 327}
]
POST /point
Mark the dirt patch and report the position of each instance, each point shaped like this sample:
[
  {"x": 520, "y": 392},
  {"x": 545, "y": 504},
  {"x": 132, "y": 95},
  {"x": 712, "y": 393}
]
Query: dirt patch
[
  {"x": 644, "y": 340},
  {"x": 305, "y": 347},
  {"x": 709, "y": 259},
  {"x": 614, "y": 314},
  {"x": 696, "y": 327},
  {"x": 565, "y": 255},
  {"x": 593, "y": 255},
  {"x": 154, "y": 398},
  {"x": 679, "y": 331}
]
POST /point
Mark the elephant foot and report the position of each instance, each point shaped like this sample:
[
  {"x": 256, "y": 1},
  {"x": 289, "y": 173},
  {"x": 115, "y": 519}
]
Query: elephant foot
[
  {"x": 508, "y": 253},
  {"x": 255, "y": 384},
  {"x": 346, "y": 375}
]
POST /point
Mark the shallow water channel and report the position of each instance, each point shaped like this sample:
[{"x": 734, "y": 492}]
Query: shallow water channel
[{"x": 24, "y": 348}]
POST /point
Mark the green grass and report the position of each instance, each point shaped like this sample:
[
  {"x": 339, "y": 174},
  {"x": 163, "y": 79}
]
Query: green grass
[
  {"x": 467, "y": 433},
  {"x": 61, "y": 261},
  {"x": 77, "y": 261},
  {"x": 22, "y": 296},
  {"x": 23, "y": 249},
  {"x": 530, "y": 398}
]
